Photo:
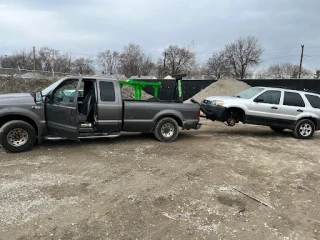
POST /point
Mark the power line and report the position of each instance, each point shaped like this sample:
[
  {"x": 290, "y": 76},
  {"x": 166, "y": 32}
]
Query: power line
[{"x": 288, "y": 56}]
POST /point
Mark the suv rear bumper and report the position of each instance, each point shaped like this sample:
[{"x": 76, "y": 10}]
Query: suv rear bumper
[{"x": 214, "y": 112}]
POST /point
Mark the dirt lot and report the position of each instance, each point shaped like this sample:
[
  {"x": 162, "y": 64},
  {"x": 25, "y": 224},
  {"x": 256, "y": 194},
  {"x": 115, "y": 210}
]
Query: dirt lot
[{"x": 134, "y": 187}]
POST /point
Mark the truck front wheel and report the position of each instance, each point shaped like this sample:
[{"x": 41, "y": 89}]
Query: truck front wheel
[
  {"x": 17, "y": 136},
  {"x": 166, "y": 130}
]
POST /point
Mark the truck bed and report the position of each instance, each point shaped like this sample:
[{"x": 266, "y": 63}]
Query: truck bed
[{"x": 141, "y": 115}]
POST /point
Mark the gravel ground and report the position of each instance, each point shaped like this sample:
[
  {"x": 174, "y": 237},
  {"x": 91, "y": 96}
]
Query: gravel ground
[
  {"x": 134, "y": 187},
  {"x": 222, "y": 87}
]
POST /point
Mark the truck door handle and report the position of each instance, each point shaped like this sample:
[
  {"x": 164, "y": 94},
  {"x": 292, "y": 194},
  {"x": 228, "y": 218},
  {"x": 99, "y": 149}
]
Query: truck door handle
[
  {"x": 72, "y": 113},
  {"x": 274, "y": 108},
  {"x": 299, "y": 110}
]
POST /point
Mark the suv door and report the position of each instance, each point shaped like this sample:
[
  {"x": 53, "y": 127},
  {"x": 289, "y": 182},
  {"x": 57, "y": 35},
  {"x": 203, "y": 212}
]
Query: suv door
[
  {"x": 265, "y": 108},
  {"x": 293, "y": 105},
  {"x": 62, "y": 110}
]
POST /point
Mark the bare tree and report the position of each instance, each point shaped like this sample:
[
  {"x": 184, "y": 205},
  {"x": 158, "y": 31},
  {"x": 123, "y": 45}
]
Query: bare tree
[
  {"x": 63, "y": 62},
  {"x": 108, "y": 61},
  {"x": 179, "y": 59},
  {"x": 22, "y": 59},
  {"x": 45, "y": 57},
  {"x": 241, "y": 55},
  {"x": 216, "y": 65},
  {"x": 134, "y": 61},
  {"x": 83, "y": 66},
  {"x": 285, "y": 70}
]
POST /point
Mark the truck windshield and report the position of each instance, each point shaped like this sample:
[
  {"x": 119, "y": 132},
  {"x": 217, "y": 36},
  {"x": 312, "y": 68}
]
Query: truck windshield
[
  {"x": 51, "y": 87},
  {"x": 249, "y": 93}
]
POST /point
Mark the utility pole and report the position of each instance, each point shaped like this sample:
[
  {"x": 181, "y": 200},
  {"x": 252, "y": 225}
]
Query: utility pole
[
  {"x": 52, "y": 62},
  {"x": 301, "y": 58},
  {"x": 164, "y": 64},
  {"x": 34, "y": 59}
]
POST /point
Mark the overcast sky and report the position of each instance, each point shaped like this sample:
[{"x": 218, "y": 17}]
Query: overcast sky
[{"x": 89, "y": 26}]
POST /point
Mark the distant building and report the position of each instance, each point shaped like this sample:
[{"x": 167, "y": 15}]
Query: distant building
[
  {"x": 168, "y": 77},
  {"x": 200, "y": 77},
  {"x": 143, "y": 77}
]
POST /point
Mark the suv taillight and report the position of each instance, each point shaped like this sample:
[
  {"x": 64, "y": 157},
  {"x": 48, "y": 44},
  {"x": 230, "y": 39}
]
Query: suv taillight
[{"x": 199, "y": 113}]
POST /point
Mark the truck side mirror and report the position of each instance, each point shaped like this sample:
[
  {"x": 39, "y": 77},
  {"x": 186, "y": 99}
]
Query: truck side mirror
[{"x": 38, "y": 97}]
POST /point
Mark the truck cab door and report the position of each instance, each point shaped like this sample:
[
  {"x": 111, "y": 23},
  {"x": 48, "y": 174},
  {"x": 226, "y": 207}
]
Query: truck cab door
[{"x": 62, "y": 110}]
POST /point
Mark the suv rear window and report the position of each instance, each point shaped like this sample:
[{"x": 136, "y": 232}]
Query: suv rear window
[
  {"x": 107, "y": 93},
  {"x": 293, "y": 99},
  {"x": 313, "y": 100}
]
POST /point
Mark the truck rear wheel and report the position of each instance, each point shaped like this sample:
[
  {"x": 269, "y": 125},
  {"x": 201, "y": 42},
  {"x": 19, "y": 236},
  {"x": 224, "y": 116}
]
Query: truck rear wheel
[
  {"x": 166, "y": 130},
  {"x": 17, "y": 136}
]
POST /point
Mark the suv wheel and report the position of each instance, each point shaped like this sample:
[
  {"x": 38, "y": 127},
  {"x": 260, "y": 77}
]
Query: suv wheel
[
  {"x": 277, "y": 129},
  {"x": 17, "y": 136},
  {"x": 166, "y": 130},
  {"x": 304, "y": 129}
]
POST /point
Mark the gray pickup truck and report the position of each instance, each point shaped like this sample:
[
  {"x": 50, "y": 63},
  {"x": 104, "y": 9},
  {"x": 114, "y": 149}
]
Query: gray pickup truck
[{"x": 80, "y": 107}]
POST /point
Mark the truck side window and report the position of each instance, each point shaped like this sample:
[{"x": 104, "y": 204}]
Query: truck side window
[
  {"x": 270, "y": 97},
  {"x": 313, "y": 100},
  {"x": 63, "y": 94},
  {"x": 107, "y": 93},
  {"x": 293, "y": 99}
]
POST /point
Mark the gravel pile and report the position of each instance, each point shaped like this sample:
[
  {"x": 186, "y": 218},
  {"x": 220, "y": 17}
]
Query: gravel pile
[
  {"x": 128, "y": 93},
  {"x": 32, "y": 75},
  {"x": 22, "y": 85},
  {"x": 222, "y": 87}
]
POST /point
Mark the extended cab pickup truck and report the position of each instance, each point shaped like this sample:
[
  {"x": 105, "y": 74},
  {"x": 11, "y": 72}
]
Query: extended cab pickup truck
[{"x": 80, "y": 107}]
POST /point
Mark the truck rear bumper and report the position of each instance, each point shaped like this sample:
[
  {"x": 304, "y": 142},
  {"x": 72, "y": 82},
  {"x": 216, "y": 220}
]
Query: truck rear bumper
[{"x": 191, "y": 124}]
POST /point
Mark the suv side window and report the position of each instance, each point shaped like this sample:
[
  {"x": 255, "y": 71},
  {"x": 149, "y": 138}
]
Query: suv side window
[
  {"x": 270, "y": 97},
  {"x": 293, "y": 99},
  {"x": 62, "y": 93},
  {"x": 107, "y": 93},
  {"x": 313, "y": 100}
]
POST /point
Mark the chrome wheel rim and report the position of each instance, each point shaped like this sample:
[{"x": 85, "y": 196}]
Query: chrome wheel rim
[
  {"x": 305, "y": 130},
  {"x": 167, "y": 130},
  {"x": 17, "y": 137}
]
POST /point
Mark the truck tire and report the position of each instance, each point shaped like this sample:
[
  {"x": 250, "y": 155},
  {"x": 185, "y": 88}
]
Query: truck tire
[
  {"x": 277, "y": 129},
  {"x": 304, "y": 129},
  {"x": 17, "y": 136},
  {"x": 166, "y": 130}
]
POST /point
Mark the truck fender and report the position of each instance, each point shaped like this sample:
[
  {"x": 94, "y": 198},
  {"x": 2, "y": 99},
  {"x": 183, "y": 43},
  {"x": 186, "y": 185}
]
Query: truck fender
[
  {"x": 169, "y": 113},
  {"x": 24, "y": 113}
]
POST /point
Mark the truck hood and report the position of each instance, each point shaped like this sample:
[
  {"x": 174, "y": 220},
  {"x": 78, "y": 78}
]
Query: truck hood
[{"x": 16, "y": 98}]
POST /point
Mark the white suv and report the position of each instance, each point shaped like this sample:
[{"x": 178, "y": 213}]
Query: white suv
[{"x": 277, "y": 108}]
